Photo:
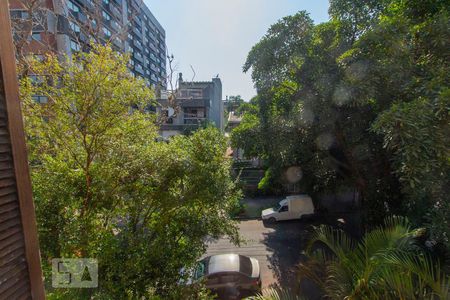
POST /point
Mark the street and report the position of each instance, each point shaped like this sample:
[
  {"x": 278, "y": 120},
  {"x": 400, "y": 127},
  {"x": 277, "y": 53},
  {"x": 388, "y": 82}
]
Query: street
[{"x": 277, "y": 247}]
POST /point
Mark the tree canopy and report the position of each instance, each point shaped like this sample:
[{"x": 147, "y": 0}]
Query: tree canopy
[
  {"x": 360, "y": 101},
  {"x": 105, "y": 188}
]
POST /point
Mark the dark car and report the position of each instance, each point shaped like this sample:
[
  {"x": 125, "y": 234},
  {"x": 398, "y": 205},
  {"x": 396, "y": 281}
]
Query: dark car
[{"x": 229, "y": 274}]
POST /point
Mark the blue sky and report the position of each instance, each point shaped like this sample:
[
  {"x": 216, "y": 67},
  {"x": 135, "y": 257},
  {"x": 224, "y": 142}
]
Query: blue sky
[{"x": 215, "y": 36}]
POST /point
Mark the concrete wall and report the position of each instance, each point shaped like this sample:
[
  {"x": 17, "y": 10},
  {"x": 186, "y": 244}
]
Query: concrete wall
[
  {"x": 216, "y": 112},
  {"x": 168, "y": 133}
]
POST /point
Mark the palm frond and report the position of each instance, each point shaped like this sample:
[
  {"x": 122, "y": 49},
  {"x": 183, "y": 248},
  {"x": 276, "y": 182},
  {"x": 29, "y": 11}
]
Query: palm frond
[
  {"x": 386, "y": 264},
  {"x": 313, "y": 270},
  {"x": 337, "y": 241},
  {"x": 427, "y": 274},
  {"x": 274, "y": 294}
]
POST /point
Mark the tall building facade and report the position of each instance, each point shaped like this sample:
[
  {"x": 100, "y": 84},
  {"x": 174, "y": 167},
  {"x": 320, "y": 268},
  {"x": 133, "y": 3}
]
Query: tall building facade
[
  {"x": 67, "y": 26},
  {"x": 196, "y": 103}
]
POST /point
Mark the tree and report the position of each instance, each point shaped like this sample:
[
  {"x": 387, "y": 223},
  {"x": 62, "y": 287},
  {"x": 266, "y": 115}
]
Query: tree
[
  {"x": 343, "y": 98},
  {"x": 407, "y": 66},
  {"x": 273, "y": 294},
  {"x": 247, "y": 136},
  {"x": 105, "y": 188},
  {"x": 233, "y": 102},
  {"x": 388, "y": 263},
  {"x": 309, "y": 117}
]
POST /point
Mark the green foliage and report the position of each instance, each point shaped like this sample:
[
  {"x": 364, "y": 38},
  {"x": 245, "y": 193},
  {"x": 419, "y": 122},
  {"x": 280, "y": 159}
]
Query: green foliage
[
  {"x": 233, "y": 103},
  {"x": 360, "y": 102},
  {"x": 278, "y": 52},
  {"x": 417, "y": 134},
  {"x": 246, "y": 136},
  {"x": 387, "y": 263},
  {"x": 105, "y": 188},
  {"x": 264, "y": 184},
  {"x": 273, "y": 294}
]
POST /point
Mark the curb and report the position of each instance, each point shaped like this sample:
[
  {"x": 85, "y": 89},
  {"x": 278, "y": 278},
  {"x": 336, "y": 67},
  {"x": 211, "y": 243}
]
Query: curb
[{"x": 246, "y": 218}]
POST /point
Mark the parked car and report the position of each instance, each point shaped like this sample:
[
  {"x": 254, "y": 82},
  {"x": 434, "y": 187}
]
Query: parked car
[
  {"x": 293, "y": 207},
  {"x": 229, "y": 274}
]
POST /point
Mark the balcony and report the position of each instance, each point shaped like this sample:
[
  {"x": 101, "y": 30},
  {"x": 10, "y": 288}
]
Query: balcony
[
  {"x": 193, "y": 121},
  {"x": 185, "y": 103},
  {"x": 138, "y": 45},
  {"x": 137, "y": 32},
  {"x": 116, "y": 12},
  {"x": 152, "y": 47},
  {"x": 118, "y": 43},
  {"x": 137, "y": 20},
  {"x": 139, "y": 69},
  {"x": 114, "y": 25},
  {"x": 152, "y": 37},
  {"x": 138, "y": 56},
  {"x": 89, "y": 5},
  {"x": 179, "y": 127},
  {"x": 80, "y": 17},
  {"x": 82, "y": 37},
  {"x": 135, "y": 5}
]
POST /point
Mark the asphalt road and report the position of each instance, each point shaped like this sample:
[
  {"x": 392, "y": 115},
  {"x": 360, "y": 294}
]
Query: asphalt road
[{"x": 277, "y": 248}]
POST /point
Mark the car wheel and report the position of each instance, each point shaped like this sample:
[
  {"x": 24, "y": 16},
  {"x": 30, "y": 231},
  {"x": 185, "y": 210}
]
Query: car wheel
[{"x": 272, "y": 220}]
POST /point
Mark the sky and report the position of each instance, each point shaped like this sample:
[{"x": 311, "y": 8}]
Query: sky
[{"x": 215, "y": 36}]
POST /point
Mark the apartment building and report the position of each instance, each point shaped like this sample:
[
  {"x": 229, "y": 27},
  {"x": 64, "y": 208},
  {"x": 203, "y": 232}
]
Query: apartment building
[
  {"x": 67, "y": 26},
  {"x": 196, "y": 103}
]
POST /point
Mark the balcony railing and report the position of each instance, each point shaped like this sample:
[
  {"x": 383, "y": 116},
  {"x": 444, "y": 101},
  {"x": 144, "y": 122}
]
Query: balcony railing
[{"x": 194, "y": 121}]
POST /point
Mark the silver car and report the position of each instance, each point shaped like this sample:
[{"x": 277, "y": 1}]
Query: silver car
[{"x": 229, "y": 274}]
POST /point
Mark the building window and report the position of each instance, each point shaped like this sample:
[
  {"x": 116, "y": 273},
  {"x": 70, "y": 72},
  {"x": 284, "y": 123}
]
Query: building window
[
  {"x": 36, "y": 36},
  {"x": 106, "y": 16},
  {"x": 36, "y": 79},
  {"x": 19, "y": 14},
  {"x": 74, "y": 27},
  {"x": 40, "y": 99},
  {"x": 107, "y": 32},
  {"x": 72, "y": 6},
  {"x": 74, "y": 45}
]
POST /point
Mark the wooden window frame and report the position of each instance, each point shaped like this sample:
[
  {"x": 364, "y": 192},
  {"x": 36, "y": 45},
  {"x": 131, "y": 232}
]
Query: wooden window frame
[{"x": 19, "y": 153}]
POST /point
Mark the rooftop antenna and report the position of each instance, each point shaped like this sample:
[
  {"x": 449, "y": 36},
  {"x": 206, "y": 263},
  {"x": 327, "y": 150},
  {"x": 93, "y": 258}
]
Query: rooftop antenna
[{"x": 193, "y": 71}]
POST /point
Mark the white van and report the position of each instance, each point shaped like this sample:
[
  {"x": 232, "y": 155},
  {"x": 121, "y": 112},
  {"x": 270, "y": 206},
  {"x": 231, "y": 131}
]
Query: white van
[{"x": 293, "y": 207}]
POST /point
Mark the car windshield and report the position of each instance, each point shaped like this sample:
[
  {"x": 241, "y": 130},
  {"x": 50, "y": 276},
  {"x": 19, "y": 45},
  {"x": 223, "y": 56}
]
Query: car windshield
[
  {"x": 201, "y": 269},
  {"x": 277, "y": 207},
  {"x": 245, "y": 265}
]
